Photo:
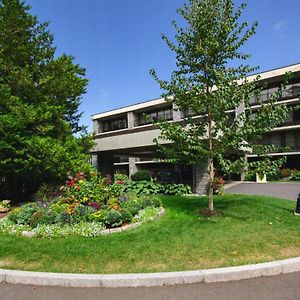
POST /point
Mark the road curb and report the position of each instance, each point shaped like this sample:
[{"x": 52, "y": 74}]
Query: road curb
[{"x": 151, "y": 279}]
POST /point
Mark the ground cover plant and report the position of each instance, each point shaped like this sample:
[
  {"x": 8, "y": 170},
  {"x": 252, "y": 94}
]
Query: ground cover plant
[{"x": 251, "y": 229}]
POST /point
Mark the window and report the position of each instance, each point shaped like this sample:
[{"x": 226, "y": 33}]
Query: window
[
  {"x": 155, "y": 115},
  {"x": 115, "y": 124}
]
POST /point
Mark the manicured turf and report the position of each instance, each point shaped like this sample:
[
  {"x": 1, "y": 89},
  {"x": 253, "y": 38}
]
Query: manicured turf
[{"x": 251, "y": 229}]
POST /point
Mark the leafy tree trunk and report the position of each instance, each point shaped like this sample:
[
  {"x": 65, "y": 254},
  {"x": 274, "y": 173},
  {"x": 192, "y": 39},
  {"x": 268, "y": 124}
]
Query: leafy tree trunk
[
  {"x": 210, "y": 187},
  {"x": 210, "y": 165}
]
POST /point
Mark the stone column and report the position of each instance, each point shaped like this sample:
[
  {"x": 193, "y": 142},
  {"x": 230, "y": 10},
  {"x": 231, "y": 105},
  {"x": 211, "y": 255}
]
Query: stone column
[
  {"x": 130, "y": 119},
  {"x": 106, "y": 163},
  {"x": 176, "y": 113},
  {"x": 132, "y": 166},
  {"x": 97, "y": 127},
  {"x": 94, "y": 161},
  {"x": 200, "y": 178}
]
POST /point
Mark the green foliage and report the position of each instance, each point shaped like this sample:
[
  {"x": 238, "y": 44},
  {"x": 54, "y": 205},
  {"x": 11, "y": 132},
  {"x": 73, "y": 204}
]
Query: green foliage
[
  {"x": 143, "y": 175},
  {"x": 295, "y": 176},
  {"x": 210, "y": 40},
  {"x": 92, "y": 229},
  {"x": 250, "y": 176},
  {"x": 154, "y": 188},
  {"x": 176, "y": 189},
  {"x": 120, "y": 177},
  {"x": 132, "y": 206},
  {"x": 47, "y": 193},
  {"x": 100, "y": 216},
  {"x": 143, "y": 187},
  {"x": 40, "y": 93},
  {"x": 24, "y": 214},
  {"x": 287, "y": 173},
  {"x": 146, "y": 214},
  {"x": 114, "y": 218},
  {"x": 4, "y": 206}
]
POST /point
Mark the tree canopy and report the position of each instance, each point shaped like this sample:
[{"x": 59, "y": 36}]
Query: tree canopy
[
  {"x": 40, "y": 93},
  {"x": 211, "y": 82}
]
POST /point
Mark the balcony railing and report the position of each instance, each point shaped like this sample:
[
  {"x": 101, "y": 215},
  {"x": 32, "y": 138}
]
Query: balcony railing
[{"x": 290, "y": 91}]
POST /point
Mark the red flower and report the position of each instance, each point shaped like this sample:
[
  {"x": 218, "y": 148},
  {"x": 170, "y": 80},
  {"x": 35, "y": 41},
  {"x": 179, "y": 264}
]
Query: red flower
[{"x": 78, "y": 188}]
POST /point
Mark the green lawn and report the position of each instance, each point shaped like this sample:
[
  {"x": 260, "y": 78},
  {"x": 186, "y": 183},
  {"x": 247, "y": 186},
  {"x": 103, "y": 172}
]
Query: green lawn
[{"x": 251, "y": 229}]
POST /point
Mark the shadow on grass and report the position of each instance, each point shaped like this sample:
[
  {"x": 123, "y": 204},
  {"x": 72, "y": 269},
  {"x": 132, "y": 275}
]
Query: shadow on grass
[
  {"x": 190, "y": 205},
  {"x": 240, "y": 207}
]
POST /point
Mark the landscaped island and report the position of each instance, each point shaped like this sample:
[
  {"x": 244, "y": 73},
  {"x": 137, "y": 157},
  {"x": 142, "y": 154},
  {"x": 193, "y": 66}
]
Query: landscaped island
[{"x": 249, "y": 229}]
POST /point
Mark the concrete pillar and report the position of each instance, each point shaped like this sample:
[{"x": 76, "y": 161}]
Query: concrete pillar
[
  {"x": 97, "y": 127},
  {"x": 200, "y": 178},
  {"x": 244, "y": 169},
  {"x": 106, "y": 163},
  {"x": 131, "y": 119},
  {"x": 240, "y": 112},
  {"x": 94, "y": 161},
  {"x": 176, "y": 113},
  {"x": 132, "y": 166}
]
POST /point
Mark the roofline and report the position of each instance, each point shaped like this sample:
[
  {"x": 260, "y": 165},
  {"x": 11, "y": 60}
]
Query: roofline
[{"x": 143, "y": 104}]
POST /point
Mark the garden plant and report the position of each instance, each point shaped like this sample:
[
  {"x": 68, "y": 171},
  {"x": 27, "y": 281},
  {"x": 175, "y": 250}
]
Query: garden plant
[{"x": 87, "y": 204}]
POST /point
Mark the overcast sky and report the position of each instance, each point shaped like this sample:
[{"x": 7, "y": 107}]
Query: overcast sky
[{"x": 118, "y": 41}]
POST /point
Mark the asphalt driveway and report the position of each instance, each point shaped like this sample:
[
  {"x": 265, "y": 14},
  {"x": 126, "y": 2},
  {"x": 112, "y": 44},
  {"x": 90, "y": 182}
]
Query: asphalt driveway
[{"x": 280, "y": 190}]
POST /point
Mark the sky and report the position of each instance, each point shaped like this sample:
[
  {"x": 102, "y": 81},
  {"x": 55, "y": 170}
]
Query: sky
[{"x": 119, "y": 41}]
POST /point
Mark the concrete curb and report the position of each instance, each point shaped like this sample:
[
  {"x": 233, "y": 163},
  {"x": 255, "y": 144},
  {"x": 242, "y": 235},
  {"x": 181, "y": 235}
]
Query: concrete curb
[
  {"x": 232, "y": 184},
  {"x": 151, "y": 279}
]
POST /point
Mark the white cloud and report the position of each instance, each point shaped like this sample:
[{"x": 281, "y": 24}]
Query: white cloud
[{"x": 280, "y": 29}]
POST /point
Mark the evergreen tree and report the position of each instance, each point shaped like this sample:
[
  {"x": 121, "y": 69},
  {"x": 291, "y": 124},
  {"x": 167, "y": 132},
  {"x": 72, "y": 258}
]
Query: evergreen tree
[
  {"x": 211, "y": 81},
  {"x": 39, "y": 99}
]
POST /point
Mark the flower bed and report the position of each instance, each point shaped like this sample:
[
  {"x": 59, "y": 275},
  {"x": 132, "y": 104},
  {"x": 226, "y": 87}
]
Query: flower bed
[{"x": 84, "y": 206}]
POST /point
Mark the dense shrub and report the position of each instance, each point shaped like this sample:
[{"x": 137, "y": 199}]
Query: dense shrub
[
  {"x": 143, "y": 187},
  {"x": 155, "y": 188},
  {"x": 250, "y": 176},
  {"x": 275, "y": 175},
  {"x": 118, "y": 177},
  {"x": 287, "y": 173},
  {"x": 132, "y": 206},
  {"x": 295, "y": 176},
  {"x": 176, "y": 189},
  {"x": 143, "y": 175}
]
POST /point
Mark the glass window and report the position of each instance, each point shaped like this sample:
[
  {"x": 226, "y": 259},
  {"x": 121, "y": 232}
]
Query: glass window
[
  {"x": 115, "y": 124},
  {"x": 155, "y": 115}
]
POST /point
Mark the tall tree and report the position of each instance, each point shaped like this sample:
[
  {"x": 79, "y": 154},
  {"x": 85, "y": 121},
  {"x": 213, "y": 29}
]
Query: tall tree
[
  {"x": 39, "y": 99},
  {"x": 211, "y": 81}
]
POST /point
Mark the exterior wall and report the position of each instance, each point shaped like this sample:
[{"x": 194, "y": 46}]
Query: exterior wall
[{"x": 125, "y": 141}]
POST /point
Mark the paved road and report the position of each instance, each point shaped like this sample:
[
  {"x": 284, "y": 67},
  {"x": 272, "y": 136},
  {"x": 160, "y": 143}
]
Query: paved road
[
  {"x": 278, "y": 287},
  {"x": 280, "y": 190}
]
